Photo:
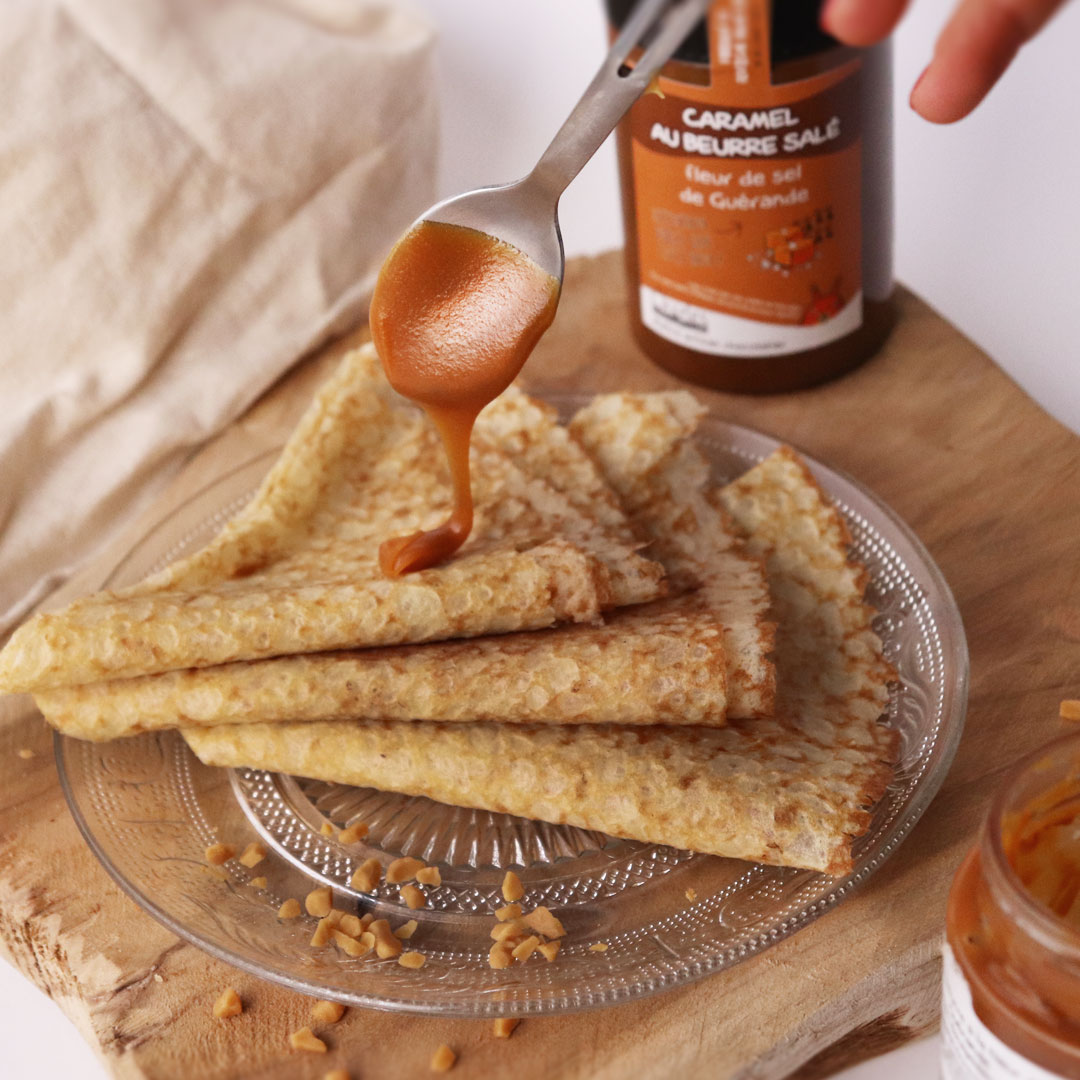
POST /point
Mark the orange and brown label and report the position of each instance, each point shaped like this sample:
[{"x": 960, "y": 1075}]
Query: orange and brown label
[{"x": 747, "y": 201}]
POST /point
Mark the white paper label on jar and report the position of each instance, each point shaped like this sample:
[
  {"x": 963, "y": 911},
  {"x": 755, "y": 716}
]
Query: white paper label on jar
[
  {"x": 970, "y": 1050},
  {"x": 720, "y": 334}
]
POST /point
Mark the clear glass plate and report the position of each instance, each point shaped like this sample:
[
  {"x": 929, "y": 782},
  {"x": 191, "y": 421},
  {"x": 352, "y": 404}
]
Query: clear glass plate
[{"x": 148, "y": 808}]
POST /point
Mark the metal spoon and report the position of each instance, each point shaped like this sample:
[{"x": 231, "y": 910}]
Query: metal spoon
[{"x": 526, "y": 212}]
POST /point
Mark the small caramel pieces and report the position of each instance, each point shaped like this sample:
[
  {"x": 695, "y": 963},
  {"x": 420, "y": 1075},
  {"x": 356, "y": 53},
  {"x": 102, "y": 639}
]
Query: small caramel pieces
[
  {"x": 334, "y": 917},
  {"x": 499, "y": 956},
  {"x": 504, "y": 1026},
  {"x": 413, "y": 897},
  {"x": 322, "y": 933},
  {"x": 216, "y": 854},
  {"x": 412, "y": 960},
  {"x": 26, "y": 754},
  {"x": 403, "y": 869},
  {"x": 336, "y": 1074},
  {"x": 406, "y": 930},
  {"x": 228, "y": 1004},
  {"x": 507, "y": 930},
  {"x": 598, "y": 946},
  {"x": 386, "y": 945},
  {"x": 253, "y": 855},
  {"x": 260, "y": 883},
  {"x": 443, "y": 1059},
  {"x": 691, "y": 895},
  {"x": 348, "y": 945},
  {"x": 429, "y": 875},
  {"x": 543, "y": 922},
  {"x": 512, "y": 889},
  {"x": 351, "y": 924},
  {"x": 304, "y": 1039},
  {"x": 367, "y": 939},
  {"x": 1069, "y": 710},
  {"x": 367, "y": 876},
  {"x": 353, "y": 834},
  {"x": 319, "y": 902},
  {"x": 327, "y": 1012},
  {"x": 511, "y": 911},
  {"x": 326, "y": 829},
  {"x": 289, "y": 910},
  {"x": 523, "y": 951},
  {"x": 549, "y": 950}
]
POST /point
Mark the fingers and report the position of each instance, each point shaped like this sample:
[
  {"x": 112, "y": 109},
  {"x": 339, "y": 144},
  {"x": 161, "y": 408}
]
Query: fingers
[
  {"x": 861, "y": 22},
  {"x": 973, "y": 51}
]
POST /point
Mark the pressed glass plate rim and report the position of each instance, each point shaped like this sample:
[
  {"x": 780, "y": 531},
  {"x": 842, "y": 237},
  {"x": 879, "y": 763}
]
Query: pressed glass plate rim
[{"x": 954, "y": 649}]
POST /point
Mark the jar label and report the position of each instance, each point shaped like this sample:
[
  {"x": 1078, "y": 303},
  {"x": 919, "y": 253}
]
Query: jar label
[
  {"x": 747, "y": 199},
  {"x": 970, "y": 1050}
]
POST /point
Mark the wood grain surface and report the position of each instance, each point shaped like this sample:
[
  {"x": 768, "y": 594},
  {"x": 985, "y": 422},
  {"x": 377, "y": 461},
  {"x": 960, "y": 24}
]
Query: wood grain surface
[{"x": 987, "y": 480}]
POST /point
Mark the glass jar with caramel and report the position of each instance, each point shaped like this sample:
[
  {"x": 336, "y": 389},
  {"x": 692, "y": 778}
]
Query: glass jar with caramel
[
  {"x": 1011, "y": 982},
  {"x": 757, "y": 200}
]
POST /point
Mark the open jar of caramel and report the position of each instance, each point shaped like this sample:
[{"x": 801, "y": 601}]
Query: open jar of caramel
[
  {"x": 757, "y": 200},
  {"x": 1011, "y": 981}
]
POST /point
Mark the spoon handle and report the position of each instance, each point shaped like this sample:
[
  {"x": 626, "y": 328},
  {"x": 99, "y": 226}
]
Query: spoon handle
[{"x": 659, "y": 27}]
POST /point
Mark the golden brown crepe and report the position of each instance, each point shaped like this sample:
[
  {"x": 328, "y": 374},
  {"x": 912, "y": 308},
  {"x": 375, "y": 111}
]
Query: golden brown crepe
[
  {"x": 296, "y": 571},
  {"x": 791, "y": 790},
  {"x": 667, "y": 662}
]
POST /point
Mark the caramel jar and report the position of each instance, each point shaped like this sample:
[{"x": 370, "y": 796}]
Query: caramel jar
[
  {"x": 1011, "y": 982},
  {"x": 756, "y": 187}
]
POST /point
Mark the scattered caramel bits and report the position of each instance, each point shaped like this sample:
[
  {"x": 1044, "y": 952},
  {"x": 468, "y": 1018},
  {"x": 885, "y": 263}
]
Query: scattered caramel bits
[
  {"x": 429, "y": 875},
  {"x": 406, "y": 930},
  {"x": 443, "y": 1059},
  {"x": 413, "y": 897},
  {"x": 504, "y": 1027},
  {"x": 1069, "y": 709},
  {"x": 499, "y": 956},
  {"x": 216, "y": 854},
  {"x": 549, "y": 950},
  {"x": 253, "y": 855},
  {"x": 336, "y": 1074},
  {"x": 349, "y": 945},
  {"x": 322, "y": 933},
  {"x": 228, "y": 1004},
  {"x": 351, "y": 924},
  {"x": 511, "y": 911},
  {"x": 523, "y": 951},
  {"x": 327, "y": 829},
  {"x": 512, "y": 889},
  {"x": 412, "y": 960},
  {"x": 353, "y": 834},
  {"x": 386, "y": 945},
  {"x": 598, "y": 946},
  {"x": 259, "y": 882},
  {"x": 319, "y": 902},
  {"x": 691, "y": 895},
  {"x": 543, "y": 922},
  {"x": 304, "y": 1039},
  {"x": 289, "y": 910},
  {"x": 26, "y": 754},
  {"x": 403, "y": 869},
  {"x": 367, "y": 876},
  {"x": 327, "y": 1012}
]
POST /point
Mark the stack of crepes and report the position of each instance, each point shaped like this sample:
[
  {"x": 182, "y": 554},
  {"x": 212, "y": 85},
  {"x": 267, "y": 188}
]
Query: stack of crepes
[{"x": 620, "y": 645}]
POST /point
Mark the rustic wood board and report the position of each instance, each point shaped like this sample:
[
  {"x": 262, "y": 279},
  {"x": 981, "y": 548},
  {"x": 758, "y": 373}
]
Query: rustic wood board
[{"x": 987, "y": 480}]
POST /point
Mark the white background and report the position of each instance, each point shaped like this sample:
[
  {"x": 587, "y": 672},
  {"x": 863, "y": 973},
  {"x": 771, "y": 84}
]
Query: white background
[{"x": 987, "y": 231}]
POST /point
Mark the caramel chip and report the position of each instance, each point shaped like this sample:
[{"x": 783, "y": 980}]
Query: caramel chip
[
  {"x": 290, "y": 909},
  {"x": 412, "y": 960},
  {"x": 413, "y": 897},
  {"x": 443, "y": 1059},
  {"x": 1069, "y": 709},
  {"x": 504, "y": 1026},
  {"x": 319, "y": 902},
  {"x": 305, "y": 1040},
  {"x": 228, "y": 1004},
  {"x": 367, "y": 876},
  {"x": 253, "y": 854},
  {"x": 512, "y": 889},
  {"x": 327, "y": 1012},
  {"x": 403, "y": 869},
  {"x": 216, "y": 854}
]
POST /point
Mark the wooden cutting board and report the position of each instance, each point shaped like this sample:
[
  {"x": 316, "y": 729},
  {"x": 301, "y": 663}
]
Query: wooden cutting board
[{"x": 983, "y": 475}]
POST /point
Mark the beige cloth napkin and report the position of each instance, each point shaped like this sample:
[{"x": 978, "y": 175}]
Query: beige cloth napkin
[{"x": 192, "y": 194}]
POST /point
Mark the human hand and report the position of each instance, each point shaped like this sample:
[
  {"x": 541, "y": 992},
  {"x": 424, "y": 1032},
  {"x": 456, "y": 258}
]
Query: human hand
[{"x": 977, "y": 45}]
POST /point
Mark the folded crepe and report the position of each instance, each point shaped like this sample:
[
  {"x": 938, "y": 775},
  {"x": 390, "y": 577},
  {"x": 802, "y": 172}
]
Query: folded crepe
[
  {"x": 297, "y": 570},
  {"x": 667, "y": 662},
  {"x": 791, "y": 790}
]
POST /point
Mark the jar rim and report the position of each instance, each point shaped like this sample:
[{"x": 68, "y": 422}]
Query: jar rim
[{"x": 1036, "y": 918}]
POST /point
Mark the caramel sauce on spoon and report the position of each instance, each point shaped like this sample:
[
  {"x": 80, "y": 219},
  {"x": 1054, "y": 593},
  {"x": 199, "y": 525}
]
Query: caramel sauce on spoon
[{"x": 455, "y": 314}]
